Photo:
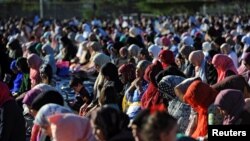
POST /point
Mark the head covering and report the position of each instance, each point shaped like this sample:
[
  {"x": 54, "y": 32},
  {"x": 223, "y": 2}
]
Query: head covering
[
  {"x": 45, "y": 98},
  {"x": 48, "y": 49},
  {"x": 234, "y": 82},
  {"x": 34, "y": 61},
  {"x": 128, "y": 70},
  {"x": 101, "y": 59},
  {"x": 13, "y": 65},
  {"x": 47, "y": 110},
  {"x": 182, "y": 87},
  {"x": 171, "y": 70},
  {"x": 31, "y": 95},
  {"x": 232, "y": 102},
  {"x": 246, "y": 58},
  {"x": 157, "y": 41},
  {"x": 223, "y": 63},
  {"x": 188, "y": 41},
  {"x": 200, "y": 96},
  {"x": 4, "y": 93},
  {"x": 143, "y": 64},
  {"x": 185, "y": 51},
  {"x": 151, "y": 96},
  {"x": 123, "y": 51},
  {"x": 167, "y": 58},
  {"x": 70, "y": 127},
  {"x": 167, "y": 84},
  {"x": 155, "y": 50},
  {"x": 206, "y": 46},
  {"x": 134, "y": 50},
  {"x": 95, "y": 46},
  {"x": 196, "y": 57},
  {"x": 165, "y": 41}
]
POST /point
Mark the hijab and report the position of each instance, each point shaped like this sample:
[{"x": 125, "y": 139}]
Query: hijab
[
  {"x": 197, "y": 58},
  {"x": 99, "y": 59},
  {"x": 155, "y": 50},
  {"x": 185, "y": 51},
  {"x": 167, "y": 58},
  {"x": 200, "y": 96},
  {"x": 44, "y": 98},
  {"x": 128, "y": 70},
  {"x": 48, "y": 49},
  {"x": 70, "y": 127},
  {"x": 134, "y": 50},
  {"x": 223, "y": 63},
  {"x": 4, "y": 94},
  {"x": 232, "y": 102},
  {"x": 34, "y": 62},
  {"x": 151, "y": 96},
  {"x": 47, "y": 110},
  {"x": 31, "y": 95},
  {"x": 234, "y": 82},
  {"x": 171, "y": 70},
  {"x": 167, "y": 84}
]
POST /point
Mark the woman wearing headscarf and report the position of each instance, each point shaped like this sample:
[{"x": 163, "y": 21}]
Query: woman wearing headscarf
[
  {"x": 151, "y": 96},
  {"x": 18, "y": 79},
  {"x": 93, "y": 49},
  {"x": 203, "y": 69},
  {"x": 127, "y": 75},
  {"x": 123, "y": 58},
  {"x": 48, "y": 56},
  {"x": 11, "y": 117},
  {"x": 27, "y": 101},
  {"x": 41, "y": 118},
  {"x": 190, "y": 69},
  {"x": 23, "y": 67},
  {"x": 200, "y": 97},
  {"x": 99, "y": 60},
  {"x": 166, "y": 58},
  {"x": 198, "y": 60},
  {"x": 234, "y": 82},
  {"x": 136, "y": 90},
  {"x": 78, "y": 128},
  {"x": 15, "y": 49},
  {"x": 134, "y": 51},
  {"x": 68, "y": 50},
  {"x": 231, "y": 103},
  {"x": 176, "y": 108},
  {"x": 171, "y": 70},
  {"x": 110, "y": 125},
  {"x": 154, "y": 51},
  {"x": 34, "y": 62},
  {"x": 224, "y": 66}
]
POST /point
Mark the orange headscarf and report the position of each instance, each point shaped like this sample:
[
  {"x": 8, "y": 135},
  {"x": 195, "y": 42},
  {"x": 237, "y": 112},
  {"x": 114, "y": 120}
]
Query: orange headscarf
[{"x": 200, "y": 96}]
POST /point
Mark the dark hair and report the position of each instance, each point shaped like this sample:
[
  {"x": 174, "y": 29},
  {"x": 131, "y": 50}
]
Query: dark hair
[
  {"x": 47, "y": 97},
  {"x": 110, "y": 70},
  {"x": 157, "y": 123},
  {"x": 146, "y": 54},
  {"x": 22, "y": 64},
  {"x": 110, "y": 121},
  {"x": 46, "y": 70},
  {"x": 141, "y": 118},
  {"x": 75, "y": 81},
  {"x": 108, "y": 95}
]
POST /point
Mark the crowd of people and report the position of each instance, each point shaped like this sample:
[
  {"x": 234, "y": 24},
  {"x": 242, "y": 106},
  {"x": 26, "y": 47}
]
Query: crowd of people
[{"x": 154, "y": 79}]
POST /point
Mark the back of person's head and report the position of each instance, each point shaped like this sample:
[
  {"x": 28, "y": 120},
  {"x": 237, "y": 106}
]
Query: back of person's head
[
  {"x": 108, "y": 95},
  {"x": 110, "y": 121},
  {"x": 109, "y": 70},
  {"x": 46, "y": 72},
  {"x": 51, "y": 96},
  {"x": 159, "y": 125},
  {"x": 22, "y": 65},
  {"x": 75, "y": 81}
]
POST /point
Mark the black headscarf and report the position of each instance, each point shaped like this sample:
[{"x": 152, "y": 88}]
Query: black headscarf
[{"x": 171, "y": 70}]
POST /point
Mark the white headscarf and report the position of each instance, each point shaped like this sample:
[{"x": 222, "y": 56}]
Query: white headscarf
[{"x": 155, "y": 50}]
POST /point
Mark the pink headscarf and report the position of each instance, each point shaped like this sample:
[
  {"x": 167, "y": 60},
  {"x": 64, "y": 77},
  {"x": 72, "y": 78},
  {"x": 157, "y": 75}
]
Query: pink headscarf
[
  {"x": 223, "y": 63},
  {"x": 34, "y": 62},
  {"x": 70, "y": 127}
]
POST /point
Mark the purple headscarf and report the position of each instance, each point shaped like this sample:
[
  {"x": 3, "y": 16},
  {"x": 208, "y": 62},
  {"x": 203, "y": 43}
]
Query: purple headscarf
[{"x": 231, "y": 101}]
